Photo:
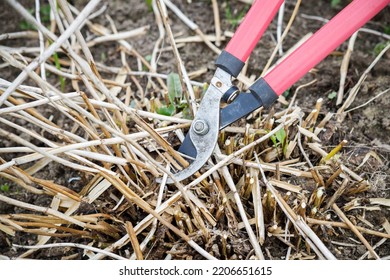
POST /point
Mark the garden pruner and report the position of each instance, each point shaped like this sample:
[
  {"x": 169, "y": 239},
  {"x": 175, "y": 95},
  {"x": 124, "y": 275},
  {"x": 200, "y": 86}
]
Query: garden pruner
[{"x": 202, "y": 137}]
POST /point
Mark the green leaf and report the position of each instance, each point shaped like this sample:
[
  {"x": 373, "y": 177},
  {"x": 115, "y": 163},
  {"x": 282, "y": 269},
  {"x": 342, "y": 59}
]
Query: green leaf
[
  {"x": 45, "y": 13},
  {"x": 181, "y": 104},
  {"x": 58, "y": 66},
  {"x": 380, "y": 47},
  {"x": 24, "y": 25},
  {"x": 281, "y": 135},
  {"x": 166, "y": 111},
  {"x": 175, "y": 91},
  {"x": 187, "y": 113},
  {"x": 285, "y": 146},
  {"x": 235, "y": 20},
  {"x": 205, "y": 87},
  {"x": 273, "y": 139},
  {"x": 286, "y": 93},
  {"x": 148, "y": 58},
  {"x": 149, "y": 4},
  {"x": 335, "y": 3},
  {"x": 4, "y": 188},
  {"x": 332, "y": 95}
]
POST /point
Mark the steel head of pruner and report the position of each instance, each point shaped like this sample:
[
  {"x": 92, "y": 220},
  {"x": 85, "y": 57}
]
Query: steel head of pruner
[{"x": 203, "y": 133}]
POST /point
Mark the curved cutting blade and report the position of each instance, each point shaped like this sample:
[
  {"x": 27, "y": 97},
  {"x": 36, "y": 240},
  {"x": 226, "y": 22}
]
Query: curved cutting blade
[
  {"x": 204, "y": 143},
  {"x": 203, "y": 134}
]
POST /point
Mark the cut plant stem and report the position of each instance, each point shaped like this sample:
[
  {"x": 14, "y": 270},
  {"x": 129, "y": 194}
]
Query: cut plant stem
[
  {"x": 355, "y": 230},
  {"x": 134, "y": 240},
  {"x": 337, "y": 194},
  {"x": 190, "y": 95},
  {"x": 300, "y": 225},
  {"x": 237, "y": 199},
  {"x": 345, "y": 226},
  {"x": 344, "y": 67},
  {"x": 217, "y": 23},
  {"x": 333, "y": 177},
  {"x": 193, "y": 26},
  {"x": 333, "y": 152}
]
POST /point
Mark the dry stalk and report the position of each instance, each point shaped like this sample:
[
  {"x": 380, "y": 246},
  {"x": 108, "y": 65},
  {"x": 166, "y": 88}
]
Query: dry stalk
[
  {"x": 285, "y": 32},
  {"x": 217, "y": 23},
  {"x": 190, "y": 95},
  {"x": 334, "y": 151},
  {"x": 40, "y": 36},
  {"x": 258, "y": 206},
  {"x": 161, "y": 31},
  {"x": 75, "y": 245},
  {"x": 345, "y": 226},
  {"x": 316, "y": 175},
  {"x": 125, "y": 156},
  {"x": 369, "y": 101},
  {"x": 355, "y": 230},
  {"x": 279, "y": 28},
  {"x": 76, "y": 24},
  {"x": 337, "y": 194},
  {"x": 302, "y": 227},
  {"x": 119, "y": 36},
  {"x": 333, "y": 177},
  {"x": 355, "y": 90},
  {"x": 379, "y": 243},
  {"x": 191, "y": 25},
  {"x": 41, "y": 209},
  {"x": 133, "y": 197},
  {"x": 231, "y": 217},
  {"x": 134, "y": 240},
  {"x": 21, "y": 34},
  {"x": 344, "y": 67},
  {"x": 237, "y": 199}
]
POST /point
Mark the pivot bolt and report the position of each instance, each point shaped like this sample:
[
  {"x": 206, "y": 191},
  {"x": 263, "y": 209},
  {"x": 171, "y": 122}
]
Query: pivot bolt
[{"x": 200, "y": 127}]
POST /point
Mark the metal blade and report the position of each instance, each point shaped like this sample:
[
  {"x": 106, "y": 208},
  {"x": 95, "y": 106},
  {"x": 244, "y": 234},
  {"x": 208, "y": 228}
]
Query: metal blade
[
  {"x": 187, "y": 147},
  {"x": 243, "y": 105},
  {"x": 203, "y": 133}
]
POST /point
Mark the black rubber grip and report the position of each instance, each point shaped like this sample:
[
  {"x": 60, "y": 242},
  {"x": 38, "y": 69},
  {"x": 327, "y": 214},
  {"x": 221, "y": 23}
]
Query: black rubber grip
[
  {"x": 229, "y": 63},
  {"x": 263, "y": 90}
]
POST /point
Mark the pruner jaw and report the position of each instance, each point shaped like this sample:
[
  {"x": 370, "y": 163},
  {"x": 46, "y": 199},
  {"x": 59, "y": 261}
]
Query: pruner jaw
[{"x": 204, "y": 129}]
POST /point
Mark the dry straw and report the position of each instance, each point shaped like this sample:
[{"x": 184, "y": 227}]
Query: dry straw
[{"x": 271, "y": 180}]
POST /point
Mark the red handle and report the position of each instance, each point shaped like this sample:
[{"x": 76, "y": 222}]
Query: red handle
[
  {"x": 252, "y": 28},
  {"x": 324, "y": 41}
]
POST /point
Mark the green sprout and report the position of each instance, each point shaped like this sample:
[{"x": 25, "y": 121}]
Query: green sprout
[
  {"x": 176, "y": 98},
  {"x": 332, "y": 95},
  {"x": 149, "y": 3},
  {"x": 280, "y": 138},
  {"x": 58, "y": 66},
  {"x": 335, "y": 3},
  {"x": 234, "y": 20},
  {"x": 4, "y": 187},
  {"x": 45, "y": 18},
  {"x": 380, "y": 47}
]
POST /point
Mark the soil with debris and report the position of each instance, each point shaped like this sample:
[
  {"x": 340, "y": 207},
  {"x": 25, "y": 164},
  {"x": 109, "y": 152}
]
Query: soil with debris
[{"x": 367, "y": 130}]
